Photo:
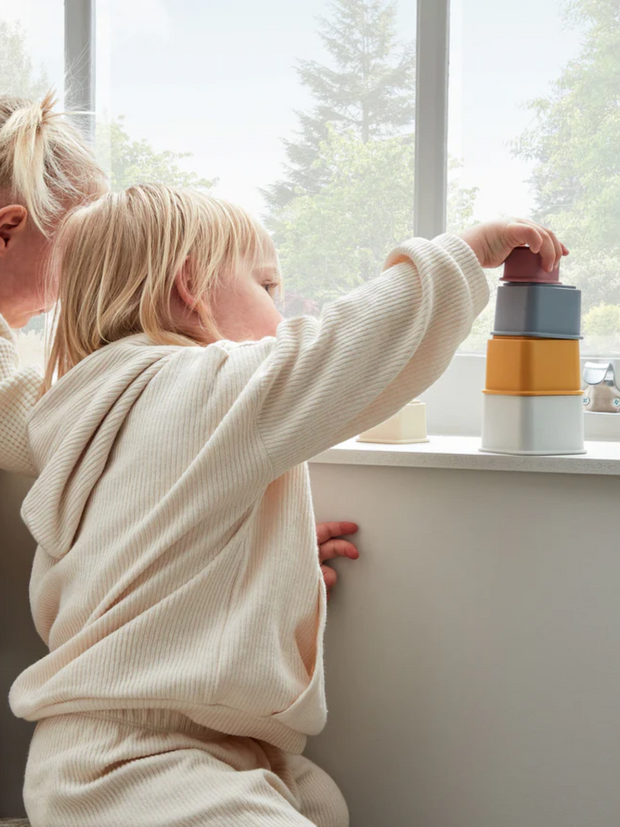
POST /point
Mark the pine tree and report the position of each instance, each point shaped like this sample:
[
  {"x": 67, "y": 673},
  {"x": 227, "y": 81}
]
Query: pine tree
[{"x": 369, "y": 93}]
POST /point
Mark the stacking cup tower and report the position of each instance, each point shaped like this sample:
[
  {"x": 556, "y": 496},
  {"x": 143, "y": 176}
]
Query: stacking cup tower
[{"x": 533, "y": 397}]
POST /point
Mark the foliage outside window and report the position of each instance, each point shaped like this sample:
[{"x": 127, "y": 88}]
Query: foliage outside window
[{"x": 345, "y": 193}]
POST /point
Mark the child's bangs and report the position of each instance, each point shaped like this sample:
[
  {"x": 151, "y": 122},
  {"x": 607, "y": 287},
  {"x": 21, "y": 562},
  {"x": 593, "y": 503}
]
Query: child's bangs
[{"x": 249, "y": 243}]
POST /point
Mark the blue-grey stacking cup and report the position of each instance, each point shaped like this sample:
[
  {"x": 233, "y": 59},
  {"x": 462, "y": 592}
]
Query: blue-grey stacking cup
[{"x": 543, "y": 311}]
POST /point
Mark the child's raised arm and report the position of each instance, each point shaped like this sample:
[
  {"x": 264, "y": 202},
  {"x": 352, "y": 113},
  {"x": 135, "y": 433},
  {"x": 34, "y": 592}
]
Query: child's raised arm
[
  {"x": 19, "y": 391},
  {"x": 382, "y": 345},
  {"x": 371, "y": 352}
]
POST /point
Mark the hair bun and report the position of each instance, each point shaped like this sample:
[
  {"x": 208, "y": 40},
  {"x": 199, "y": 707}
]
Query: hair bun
[
  {"x": 48, "y": 169},
  {"x": 46, "y": 108}
]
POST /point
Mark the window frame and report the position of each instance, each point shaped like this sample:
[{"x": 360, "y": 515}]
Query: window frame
[
  {"x": 455, "y": 401},
  {"x": 432, "y": 76},
  {"x": 431, "y": 117},
  {"x": 80, "y": 62}
]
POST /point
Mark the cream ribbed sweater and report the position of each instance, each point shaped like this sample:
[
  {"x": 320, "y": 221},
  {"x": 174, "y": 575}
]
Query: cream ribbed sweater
[{"x": 177, "y": 564}]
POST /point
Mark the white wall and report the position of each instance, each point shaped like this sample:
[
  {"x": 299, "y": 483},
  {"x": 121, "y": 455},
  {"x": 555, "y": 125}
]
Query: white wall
[{"x": 473, "y": 651}]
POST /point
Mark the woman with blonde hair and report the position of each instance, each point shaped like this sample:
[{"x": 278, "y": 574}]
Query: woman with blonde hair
[
  {"x": 176, "y": 579},
  {"x": 45, "y": 170}
]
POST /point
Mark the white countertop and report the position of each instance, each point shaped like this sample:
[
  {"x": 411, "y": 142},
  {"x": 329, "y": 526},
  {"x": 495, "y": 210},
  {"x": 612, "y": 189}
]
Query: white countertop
[{"x": 462, "y": 453}]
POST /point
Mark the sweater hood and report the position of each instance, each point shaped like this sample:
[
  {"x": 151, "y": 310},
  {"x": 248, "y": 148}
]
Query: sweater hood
[{"x": 73, "y": 429}]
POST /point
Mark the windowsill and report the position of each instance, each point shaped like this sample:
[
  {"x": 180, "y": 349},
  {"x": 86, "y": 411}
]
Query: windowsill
[{"x": 462, "y": 453}]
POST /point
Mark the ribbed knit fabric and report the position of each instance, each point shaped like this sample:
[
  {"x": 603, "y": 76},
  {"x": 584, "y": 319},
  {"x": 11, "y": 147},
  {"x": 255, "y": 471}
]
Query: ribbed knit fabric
[
  {"x": 177, "y": 564},
  {"x": 19, "y": 390},
  {"x": 158, "y": 769}
]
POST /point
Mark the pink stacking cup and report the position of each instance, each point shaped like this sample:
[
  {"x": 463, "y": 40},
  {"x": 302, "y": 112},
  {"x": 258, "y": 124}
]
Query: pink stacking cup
[{"x": 522, "y": 265}]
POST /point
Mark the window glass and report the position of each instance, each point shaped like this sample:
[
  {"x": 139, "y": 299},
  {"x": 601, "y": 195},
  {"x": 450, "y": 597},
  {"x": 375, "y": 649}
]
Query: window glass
[
  {"x": 534, "y": 132},
  {"x": 301, "y": 112}
]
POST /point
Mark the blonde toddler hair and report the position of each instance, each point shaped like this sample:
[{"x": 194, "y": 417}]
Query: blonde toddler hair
[
  {"x": 118, "y": 257},
  {"x": 44, "y": 164}
]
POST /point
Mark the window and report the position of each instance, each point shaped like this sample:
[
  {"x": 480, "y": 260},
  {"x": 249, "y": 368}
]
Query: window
[
  {"x": 32, "y": 53},
  {"x": 302, "y": 112},
  {"x": 534, "y": 132}
]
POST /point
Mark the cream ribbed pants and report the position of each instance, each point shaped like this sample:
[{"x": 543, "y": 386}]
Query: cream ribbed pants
[{"x": 155, "y": 768}]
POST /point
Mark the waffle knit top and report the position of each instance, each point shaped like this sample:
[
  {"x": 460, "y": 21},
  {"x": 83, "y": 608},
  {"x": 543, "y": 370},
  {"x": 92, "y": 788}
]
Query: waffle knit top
[{"x": 177, "y": 561}]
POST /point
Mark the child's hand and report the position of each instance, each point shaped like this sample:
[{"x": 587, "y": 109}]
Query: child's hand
[
  {"x": 493, "y": 241},
  {"x": 330, "y": 545}
]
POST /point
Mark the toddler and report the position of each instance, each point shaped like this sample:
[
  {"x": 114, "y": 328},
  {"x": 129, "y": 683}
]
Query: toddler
[{"x": 176, "y": 580}]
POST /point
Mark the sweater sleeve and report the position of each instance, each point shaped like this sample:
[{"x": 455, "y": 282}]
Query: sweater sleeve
[
  {"x": 371, "y": 352},
  {"x": 19, "y": 389}
]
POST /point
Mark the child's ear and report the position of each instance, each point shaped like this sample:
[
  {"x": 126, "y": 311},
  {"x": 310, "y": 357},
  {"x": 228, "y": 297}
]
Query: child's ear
[
  {"x": 184, "y": 286},
  {"x": 12, "y": 223},
  {"x": 187, "y": 292}
]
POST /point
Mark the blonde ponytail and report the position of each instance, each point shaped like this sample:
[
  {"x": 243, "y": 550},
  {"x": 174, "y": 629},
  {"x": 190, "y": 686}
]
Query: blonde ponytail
[{"x": 44, "y": 163}]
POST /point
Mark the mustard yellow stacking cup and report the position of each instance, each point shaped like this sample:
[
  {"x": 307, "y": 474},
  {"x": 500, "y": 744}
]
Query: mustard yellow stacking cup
[{"x": 520, "y": 366}]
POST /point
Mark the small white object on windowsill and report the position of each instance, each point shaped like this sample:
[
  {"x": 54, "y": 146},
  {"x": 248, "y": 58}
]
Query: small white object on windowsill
[{"x": 406, "y": 426}]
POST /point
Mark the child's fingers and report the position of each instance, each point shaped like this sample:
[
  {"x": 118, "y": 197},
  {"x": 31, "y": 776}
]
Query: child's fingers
[
  {"x": 547, "y": 251},
  {"x": 543, "y": 241},
  {"x": 325, "y": 531},
  {"x": 549, "y": 235},
  {"x": 538, "y": 239},
  {"x": 551, "y": 250},
  {"x": 521, "y": 234},
  {"x": 337, "y": 548},
  {"x": 559, "y": 252},
  {"x": 330, "y": 576}
]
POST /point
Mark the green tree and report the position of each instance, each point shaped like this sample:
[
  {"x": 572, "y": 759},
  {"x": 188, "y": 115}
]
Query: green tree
[
  {"x": 575, "y": 144},
  {"x": 136, "y": 162},
  {"x": 601, "y": 328},
  {"x": 347, "y": 195},
  {"x": 368, "y": 92},
  {"x": 332, "y": 241},
  {"x": 602, "y": 320}
]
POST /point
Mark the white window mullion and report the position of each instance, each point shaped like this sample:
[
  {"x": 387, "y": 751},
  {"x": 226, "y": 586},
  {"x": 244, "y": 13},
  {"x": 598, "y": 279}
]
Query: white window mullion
[
  {"x": 431, "y": 124},
  {"x": 80, "y": 64}
]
